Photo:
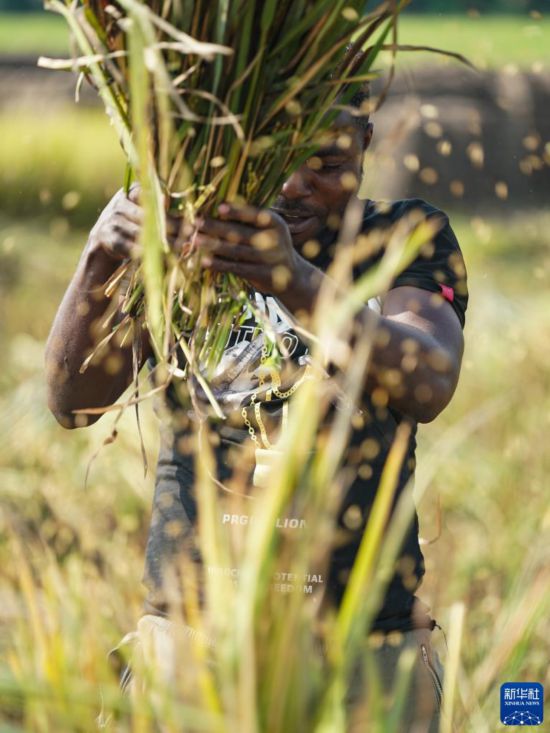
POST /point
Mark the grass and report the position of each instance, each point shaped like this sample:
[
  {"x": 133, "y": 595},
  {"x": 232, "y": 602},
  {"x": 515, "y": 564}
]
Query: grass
[
  {"x": 491, "y": 551},
  {"x": 74, "y": 180},
  {"x": 489, "y": 41},
  {"x": 32, "y": 33},
  {"x": 491, "y": 555}
]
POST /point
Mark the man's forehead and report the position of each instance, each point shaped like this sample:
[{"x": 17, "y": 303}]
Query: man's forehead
[{"x": 344, "y": 134}]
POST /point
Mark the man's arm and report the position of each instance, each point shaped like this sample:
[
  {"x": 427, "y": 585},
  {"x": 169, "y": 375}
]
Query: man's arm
[
  {"x": 79, "y": 324},
  {"x": 418, "y": 344},
  {"x": 417, "y": 354}
]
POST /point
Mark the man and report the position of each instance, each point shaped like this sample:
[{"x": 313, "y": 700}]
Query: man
[{"x": 411, "y": 377}]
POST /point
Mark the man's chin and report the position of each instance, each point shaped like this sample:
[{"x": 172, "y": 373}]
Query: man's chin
[{"x": 303, "y": 229}]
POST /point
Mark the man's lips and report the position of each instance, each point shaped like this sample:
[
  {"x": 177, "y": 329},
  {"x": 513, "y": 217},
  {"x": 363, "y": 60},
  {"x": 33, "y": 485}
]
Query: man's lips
[
  {"x": 297, "y": 226},
  {"x": 297, "y": 220},
  {"x": 303, "y": 214},
  {"x": 295, "y": 213}
]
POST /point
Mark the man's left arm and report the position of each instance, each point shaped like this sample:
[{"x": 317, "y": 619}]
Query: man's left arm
[
  {"x": 418, "y": 343},
  {"x": 418, "y": 346},
  {"x": 417, "y": 355}
]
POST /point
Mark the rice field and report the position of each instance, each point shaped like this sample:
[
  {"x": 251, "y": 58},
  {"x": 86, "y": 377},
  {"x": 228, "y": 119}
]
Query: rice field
[
  {"x": 71, "y": 557},
  {"x": 44, "y": 177},
  {"x": 489, "y": 41}
]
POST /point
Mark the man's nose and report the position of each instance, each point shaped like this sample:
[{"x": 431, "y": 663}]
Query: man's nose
[{"x": 296, "y": 187}]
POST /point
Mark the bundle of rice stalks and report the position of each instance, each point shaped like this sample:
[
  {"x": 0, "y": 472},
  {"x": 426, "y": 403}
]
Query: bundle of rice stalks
[{"x": 215, "y": 101}]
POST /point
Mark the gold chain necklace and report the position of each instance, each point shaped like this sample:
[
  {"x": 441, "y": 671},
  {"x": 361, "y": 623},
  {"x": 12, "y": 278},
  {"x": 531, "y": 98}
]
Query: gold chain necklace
[{"x": 274, "y": 390}]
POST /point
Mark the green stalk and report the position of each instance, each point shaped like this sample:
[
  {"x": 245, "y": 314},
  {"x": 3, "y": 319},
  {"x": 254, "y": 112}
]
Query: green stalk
[
  {"x": 151, "y": 197},
  {"x": 348, "y": 626},
  {"x": 108, "y": 96},
  {"x": 456, "y": 630}
]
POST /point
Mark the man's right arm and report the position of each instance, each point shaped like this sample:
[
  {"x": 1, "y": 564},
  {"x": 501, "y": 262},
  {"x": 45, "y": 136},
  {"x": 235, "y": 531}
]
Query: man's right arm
[{"x": 79, "y": 324}]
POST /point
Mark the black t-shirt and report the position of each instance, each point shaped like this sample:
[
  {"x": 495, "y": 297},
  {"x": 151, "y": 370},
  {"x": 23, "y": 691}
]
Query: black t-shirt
[{"x": 255, "y": 401}]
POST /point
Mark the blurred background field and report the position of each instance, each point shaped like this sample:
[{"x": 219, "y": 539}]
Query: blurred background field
[
  {"x": 489, "y": 41},
  {"x": 71, "y": 556}
]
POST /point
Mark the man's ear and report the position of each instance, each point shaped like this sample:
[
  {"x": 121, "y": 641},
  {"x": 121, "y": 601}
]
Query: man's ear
[{"x": 367, "y": 136}]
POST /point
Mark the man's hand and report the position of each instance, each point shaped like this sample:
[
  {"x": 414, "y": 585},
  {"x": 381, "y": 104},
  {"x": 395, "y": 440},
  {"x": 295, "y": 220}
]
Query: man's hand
[
  {"x": 254, "y": 244},
  {"x": 79, "y": 327},
  {"x": 116, "y": 232}
]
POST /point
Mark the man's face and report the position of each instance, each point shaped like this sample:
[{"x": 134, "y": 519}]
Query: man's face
[{"x": 316, "y": 195}]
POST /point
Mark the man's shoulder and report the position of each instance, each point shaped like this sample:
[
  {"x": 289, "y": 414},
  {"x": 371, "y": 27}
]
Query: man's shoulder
[
  {"x": 383, "y": 215},
  {"x": 439, "y": 266}
]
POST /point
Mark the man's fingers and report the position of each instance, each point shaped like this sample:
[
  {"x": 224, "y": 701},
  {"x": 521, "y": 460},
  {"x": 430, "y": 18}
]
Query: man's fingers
[
  {"x": 227, "y": 250},
  {"x": 230, "y": 231},
  {"x": 127, "y": 227},
  {"x": 120, "y": 238},
  {"x": 178, "y": 228},
  {"x": 258, "y": 218},
  {"x": 260, "y": 239},
  {"x": 119, "y": 246},
  {"x": 246, "y": 270},
  {"x": 258, "y": 274},
  {"x": 131, "y": 211},
  {"x": 128, "y": 204},
  {"x": 134, "y": 193}
]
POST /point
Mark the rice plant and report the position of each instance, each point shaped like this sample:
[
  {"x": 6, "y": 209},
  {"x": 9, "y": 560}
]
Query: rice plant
[
  {"x": 212, "y": 103},
  {"x": 217, "y": 102}
]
